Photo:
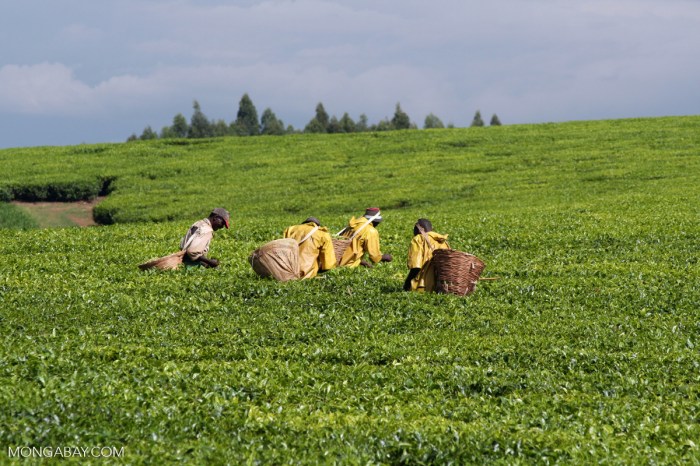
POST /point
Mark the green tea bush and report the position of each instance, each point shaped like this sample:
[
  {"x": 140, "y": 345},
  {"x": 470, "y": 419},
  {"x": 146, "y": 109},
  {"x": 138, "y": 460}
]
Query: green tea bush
[
  {"x": 583, "y": 352},
  {"x": 58, "y": 191},
  {"x": 5, "y": 194}
]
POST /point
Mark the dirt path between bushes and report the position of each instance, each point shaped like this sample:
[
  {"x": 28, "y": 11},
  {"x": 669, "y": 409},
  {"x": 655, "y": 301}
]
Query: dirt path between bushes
[{"x": 61, "y": 214}]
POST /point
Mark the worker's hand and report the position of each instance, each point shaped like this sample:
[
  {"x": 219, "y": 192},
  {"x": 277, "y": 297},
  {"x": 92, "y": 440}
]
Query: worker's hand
[
  {"x": 387, "y": 258},
  {"x": 364, "y": 263},
  {"x": 209, "y": 262}
]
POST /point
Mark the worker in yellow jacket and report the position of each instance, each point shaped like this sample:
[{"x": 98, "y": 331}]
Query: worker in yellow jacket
[
  {"x": 316, "y": 252},
  {"x": 421, "y": 276},
  {"x": 365, "y": 239}
]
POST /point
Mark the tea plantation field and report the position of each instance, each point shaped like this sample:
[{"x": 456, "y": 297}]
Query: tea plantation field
[{"x": 586, "y": 350}]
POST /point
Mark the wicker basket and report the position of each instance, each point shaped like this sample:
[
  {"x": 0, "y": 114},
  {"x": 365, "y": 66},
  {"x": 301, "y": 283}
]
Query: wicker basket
[
  {"x": 456, "y": 272},
  {"x": 339, "y": 246},
  {"x": 170, "y": 262}
]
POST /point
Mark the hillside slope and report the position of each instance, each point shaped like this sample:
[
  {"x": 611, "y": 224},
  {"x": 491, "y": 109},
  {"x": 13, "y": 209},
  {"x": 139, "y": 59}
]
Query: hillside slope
[{"x": 585, "y": 350}]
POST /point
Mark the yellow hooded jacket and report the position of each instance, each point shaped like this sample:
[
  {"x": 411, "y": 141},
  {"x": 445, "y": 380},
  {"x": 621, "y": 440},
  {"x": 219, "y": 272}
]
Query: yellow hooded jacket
[
  {"x": 366, "y": 241},
  {"x": 316, "y": 252},
  {"x": 419, "y": 257}
]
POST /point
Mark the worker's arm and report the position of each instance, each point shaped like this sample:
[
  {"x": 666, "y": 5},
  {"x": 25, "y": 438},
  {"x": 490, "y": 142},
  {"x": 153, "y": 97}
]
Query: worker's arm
[
  {"x": 326, "y": 257},
  {"x": 372, "y": 246},
  {"x": 412, "y": 274},
  {"x": 415, "y": 262}
]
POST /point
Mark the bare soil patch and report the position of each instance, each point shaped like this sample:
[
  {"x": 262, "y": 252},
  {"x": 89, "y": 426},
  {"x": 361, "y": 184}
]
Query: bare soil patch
[{"x": 61, "y": 214}]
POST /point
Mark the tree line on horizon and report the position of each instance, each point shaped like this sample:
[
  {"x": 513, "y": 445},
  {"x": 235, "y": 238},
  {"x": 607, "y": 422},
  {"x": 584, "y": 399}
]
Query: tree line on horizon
[{"x": 248, "y": 124}]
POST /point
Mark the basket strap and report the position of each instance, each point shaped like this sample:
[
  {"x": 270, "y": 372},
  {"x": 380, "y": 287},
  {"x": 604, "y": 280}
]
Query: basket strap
[
  {"x": 187, "y": 245},
  {"x": 425, "y": 237},
  {"x": 314, "y": 230},
  {"x": 369, "y": 220}
]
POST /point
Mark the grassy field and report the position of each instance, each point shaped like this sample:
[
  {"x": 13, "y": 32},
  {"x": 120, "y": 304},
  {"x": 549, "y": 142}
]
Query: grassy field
[{"x": 585, "y": 351}]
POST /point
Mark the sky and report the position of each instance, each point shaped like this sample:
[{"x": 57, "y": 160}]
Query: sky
[{"x": 90, "y": 71}]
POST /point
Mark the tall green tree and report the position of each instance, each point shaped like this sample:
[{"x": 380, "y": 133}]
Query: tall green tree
[
  {"x": 347, "y": 125},
  {"x": 432, "y": 122},
  {"x": 271, "y": 125},
  {"x": 148, "y": 133},
  {"x": 247, "y": 123},
  {"x": 322, "y": 115},
  {"x": 167, "y": 132},
  {"x": 362, "y": 124},
  {"x": 477, "y": 120},
  {"x": 400, "y": 119},
  {"x": 200, "y": 127},
  {"x": 315, "y": 126},
  {"x": 180, "y": 128},
  {"x": 495, "y": 121},
  {"x": 219, "y": 128},
  {"x": 319, "y": 123},
  {"x": 334, "y": 125}
]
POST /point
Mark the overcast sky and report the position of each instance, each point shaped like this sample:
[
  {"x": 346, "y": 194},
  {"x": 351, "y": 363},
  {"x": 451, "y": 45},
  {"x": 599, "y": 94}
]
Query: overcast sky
[{"x": 85, "y": 71}]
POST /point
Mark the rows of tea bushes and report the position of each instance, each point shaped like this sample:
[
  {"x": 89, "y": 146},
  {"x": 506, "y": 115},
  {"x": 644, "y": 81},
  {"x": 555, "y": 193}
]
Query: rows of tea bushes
[
  {"x": 584, "y": 351},
  {"x": 476, "y": 167}
]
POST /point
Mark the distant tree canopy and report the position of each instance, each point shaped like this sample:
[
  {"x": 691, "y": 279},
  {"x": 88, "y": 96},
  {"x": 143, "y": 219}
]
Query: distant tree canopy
[
  {"x": 477, "y": 121},
  {"x": 247, "y": 118},
  {"x": 400, "y": 119},
  {"x": 180, "y": 128},
  {"x": 432, "y": 122},
  {"x": 247, "y": 123},
  {"x": 199, "y": 124},
  {"x": 319, "y": 123},
  {"x": 148, "y": 133},
  {"x": 270, "y": 124}
]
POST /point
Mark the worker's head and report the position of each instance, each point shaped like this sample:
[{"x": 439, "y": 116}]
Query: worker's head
[
  {"x": 312, "y": 220},
  {"x": 424, "y": 223},
  {"x": 374, "y": 215},
  {"x": 219, "y": 218}
]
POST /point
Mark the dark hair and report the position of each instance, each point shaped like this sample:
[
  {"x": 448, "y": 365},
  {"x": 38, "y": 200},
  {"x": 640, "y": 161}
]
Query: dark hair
[
  {"x": 424, "y": 224},
  {"x": 312, "y": 219}
]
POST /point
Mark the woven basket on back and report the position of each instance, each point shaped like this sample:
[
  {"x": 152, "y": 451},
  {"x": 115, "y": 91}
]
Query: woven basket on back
[
  {"x": 339, "y": 247},
  {"x": 456, "y": 272},
  {"x": 170, "y": 262}
]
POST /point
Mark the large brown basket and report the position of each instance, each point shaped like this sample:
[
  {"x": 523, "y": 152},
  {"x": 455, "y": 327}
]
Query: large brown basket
[
  {"x": 339, "y": 247},
  {"x": 456, "y": 272}
]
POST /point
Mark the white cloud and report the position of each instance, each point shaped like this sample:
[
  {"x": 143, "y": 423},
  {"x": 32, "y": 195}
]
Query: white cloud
[
  {"x": 43, "y": 89},
  {"x": 53, "y": 89}
]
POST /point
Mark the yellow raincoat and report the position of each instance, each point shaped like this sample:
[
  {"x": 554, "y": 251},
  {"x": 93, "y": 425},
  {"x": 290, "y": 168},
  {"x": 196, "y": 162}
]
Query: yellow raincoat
[
  {"x": 419, "y": 257},
  {"x": 366, "y": 241},
  {"x": 316, "y": 252}
]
